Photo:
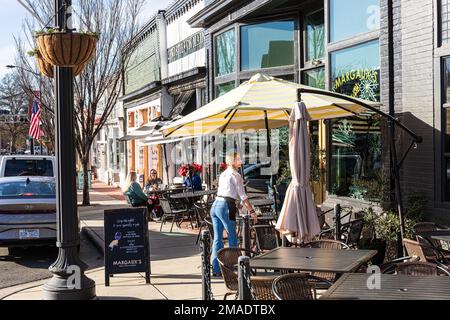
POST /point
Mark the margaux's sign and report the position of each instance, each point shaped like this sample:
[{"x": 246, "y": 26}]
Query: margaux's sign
[{"x": 126, "y": 242}]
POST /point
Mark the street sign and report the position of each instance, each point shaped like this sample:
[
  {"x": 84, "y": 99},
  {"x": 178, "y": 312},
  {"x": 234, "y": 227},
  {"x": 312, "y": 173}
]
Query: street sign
[{"x": 127, "y": 247}]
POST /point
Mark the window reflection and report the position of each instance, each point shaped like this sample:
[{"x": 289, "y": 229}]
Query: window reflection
[
  {"x": 226, "y": 53},
  {"x": 351, "y": 17},
  {"x": 314, "y": 78},
  {"x": 223, "y": 88},
  {"x": 315, "y": 36},
  {"x": 267, "y": 45}
]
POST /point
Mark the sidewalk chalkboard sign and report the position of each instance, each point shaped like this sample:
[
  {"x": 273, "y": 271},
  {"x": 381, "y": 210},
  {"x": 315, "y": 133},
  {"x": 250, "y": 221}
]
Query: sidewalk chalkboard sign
[{"x": 126, "y": 242}]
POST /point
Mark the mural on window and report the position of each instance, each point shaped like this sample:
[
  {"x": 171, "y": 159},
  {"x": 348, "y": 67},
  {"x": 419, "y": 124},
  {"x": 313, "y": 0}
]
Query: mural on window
[
  {"x": 267, "y": 45},
  {"x": 226, "y": 53},
  {"x": 315, "y": 36},
  {"x": 356, "y": 141}
]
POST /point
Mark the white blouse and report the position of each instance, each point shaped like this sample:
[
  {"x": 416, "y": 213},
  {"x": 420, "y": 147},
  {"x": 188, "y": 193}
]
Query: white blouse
[{"x": 231, "y": 185}]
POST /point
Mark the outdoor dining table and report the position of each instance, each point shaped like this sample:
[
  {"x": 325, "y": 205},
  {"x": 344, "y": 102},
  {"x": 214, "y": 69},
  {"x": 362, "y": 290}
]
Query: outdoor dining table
[
  {"x": 392, "y": 287},
  {"x": 312, "y": 260},
  {"x": 190, "y": 194},
  {"x": 158, "y": 191}
]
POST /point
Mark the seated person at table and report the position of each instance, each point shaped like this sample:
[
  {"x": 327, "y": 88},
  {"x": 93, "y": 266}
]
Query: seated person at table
[
  {"x": 195, "y": 184},
  {"x": 134, "y": 192},
  {"x": 153, "y": 182}
]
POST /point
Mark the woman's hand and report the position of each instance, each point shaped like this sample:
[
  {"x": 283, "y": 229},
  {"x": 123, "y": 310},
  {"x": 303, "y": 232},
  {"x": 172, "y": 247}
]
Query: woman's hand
[{"x": 254, "y": 216}]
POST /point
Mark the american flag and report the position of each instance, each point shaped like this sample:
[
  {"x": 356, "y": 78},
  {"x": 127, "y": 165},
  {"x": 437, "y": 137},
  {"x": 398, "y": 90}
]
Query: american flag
[{"x": 35, "y": 122}]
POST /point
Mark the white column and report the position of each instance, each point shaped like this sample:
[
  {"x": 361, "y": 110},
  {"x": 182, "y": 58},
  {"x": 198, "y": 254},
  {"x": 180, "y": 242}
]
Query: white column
[{"x": 162, "y": 34}]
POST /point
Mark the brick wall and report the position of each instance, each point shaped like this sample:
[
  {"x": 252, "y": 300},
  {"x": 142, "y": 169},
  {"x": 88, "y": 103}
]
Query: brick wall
[{"x": 417, "y": 103}]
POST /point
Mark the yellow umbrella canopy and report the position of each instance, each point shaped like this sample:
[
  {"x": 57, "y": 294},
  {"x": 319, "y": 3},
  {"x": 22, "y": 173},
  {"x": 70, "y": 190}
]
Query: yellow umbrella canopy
[{"x": 260, "y": 103}]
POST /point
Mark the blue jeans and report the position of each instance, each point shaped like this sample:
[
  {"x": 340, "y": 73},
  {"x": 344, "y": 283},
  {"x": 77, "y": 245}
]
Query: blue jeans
[{"x": 221, "y": 220}]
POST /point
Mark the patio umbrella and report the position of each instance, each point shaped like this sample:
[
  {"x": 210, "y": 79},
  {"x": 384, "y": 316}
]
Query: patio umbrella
[
  {"x": 263, "y": 102},
  {"x": 298, "y": 215}
]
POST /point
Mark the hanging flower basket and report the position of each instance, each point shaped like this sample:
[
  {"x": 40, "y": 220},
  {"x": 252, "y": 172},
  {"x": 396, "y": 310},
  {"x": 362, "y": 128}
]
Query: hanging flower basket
[
  {"x": 45, "y": 68},
  {"x": 65, "y": 49}
]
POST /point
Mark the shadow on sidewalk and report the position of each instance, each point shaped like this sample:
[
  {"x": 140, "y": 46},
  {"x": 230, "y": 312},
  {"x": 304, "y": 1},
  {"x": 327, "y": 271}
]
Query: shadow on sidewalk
[{"x": 163, "y": 245}]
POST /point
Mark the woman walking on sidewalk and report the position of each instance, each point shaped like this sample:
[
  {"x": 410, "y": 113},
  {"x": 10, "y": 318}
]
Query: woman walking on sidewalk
[{"x": 224, "y": 210}]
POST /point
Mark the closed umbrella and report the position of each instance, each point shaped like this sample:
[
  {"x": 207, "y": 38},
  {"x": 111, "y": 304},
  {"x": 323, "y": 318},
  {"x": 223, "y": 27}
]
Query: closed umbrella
[{"x": 298, "y": 215}]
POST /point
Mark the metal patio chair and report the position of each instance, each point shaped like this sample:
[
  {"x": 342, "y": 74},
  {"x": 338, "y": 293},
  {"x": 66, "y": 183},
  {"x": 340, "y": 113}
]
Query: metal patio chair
[{"x": 298, "y": 286}]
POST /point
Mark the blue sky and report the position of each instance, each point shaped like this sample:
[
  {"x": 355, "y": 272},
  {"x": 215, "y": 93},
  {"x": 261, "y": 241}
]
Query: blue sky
[{"x": 12, "y": 14}]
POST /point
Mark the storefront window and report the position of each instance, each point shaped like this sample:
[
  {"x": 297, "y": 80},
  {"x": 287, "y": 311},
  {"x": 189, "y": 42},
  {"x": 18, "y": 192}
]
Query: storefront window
[
  {"x": 314, "y": 78},
  {"x": 315, "y": 36},
  {"x": 267, "y": 45},
  {"x": 356, "y": 158},
  {"x": 223, "y": 88},
  {"x": 226, "y": 53},
  {"x": 351, "y": 17},
  {"x": 356, "y": 141},
  {"x": 356, "y": 71}
]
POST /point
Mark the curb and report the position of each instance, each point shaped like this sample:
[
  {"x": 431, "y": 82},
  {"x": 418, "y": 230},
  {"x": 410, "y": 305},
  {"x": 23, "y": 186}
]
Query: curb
[{"x": 94, "y": 238}]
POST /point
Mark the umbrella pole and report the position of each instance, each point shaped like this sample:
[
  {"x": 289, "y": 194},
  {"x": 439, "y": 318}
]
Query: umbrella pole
[
  {"x": 166, "y": 163},
  {"x": 269, "y": 145},
  {"x": 396, "y": 173}
]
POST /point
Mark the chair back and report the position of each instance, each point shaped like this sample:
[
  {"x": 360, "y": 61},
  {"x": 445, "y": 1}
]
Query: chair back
[
  {"x": 228, "y": 260},
  {"x": 327, "y": 244},
  {"x": 413, "y": 248},
  {"x": 202, "y": 210},
  {"x": 354, "y": 231},
  {"x": 420, "y": 268},
  {"x": 293, "y": 286},
  {"x": 262, "y": 287},
  {"x": 165, "y": 205},
  {"x": 267, "y": 238},
  {"x": 427, "y": 227}
]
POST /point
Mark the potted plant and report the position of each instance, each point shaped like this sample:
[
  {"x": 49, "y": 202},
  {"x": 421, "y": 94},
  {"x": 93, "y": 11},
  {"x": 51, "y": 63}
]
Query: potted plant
[
  {"x": 191, "y": 173},
  {"x": 223, "y": 166},
  {"x": 66, "y": 49},
  {"x": 369, "y": 239}
]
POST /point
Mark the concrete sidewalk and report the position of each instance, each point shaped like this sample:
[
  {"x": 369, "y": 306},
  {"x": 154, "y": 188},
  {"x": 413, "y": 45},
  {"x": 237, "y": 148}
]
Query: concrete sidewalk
[{"x": 175, "y": 262}]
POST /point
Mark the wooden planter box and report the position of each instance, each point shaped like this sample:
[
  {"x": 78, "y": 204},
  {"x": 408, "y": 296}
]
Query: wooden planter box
[{"x": 66, "y": 49}]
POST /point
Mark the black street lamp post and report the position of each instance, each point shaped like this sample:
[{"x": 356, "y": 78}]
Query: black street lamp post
[{"x": 69, "y": 281}]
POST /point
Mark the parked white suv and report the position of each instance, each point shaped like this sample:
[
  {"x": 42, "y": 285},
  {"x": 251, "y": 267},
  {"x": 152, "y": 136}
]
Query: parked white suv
[{"x": 22, "y": 165}]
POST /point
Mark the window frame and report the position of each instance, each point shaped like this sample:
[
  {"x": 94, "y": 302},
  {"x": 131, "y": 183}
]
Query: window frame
[
  {"x": 238, "y": 76},
  {"x": 331, "y": 47}
]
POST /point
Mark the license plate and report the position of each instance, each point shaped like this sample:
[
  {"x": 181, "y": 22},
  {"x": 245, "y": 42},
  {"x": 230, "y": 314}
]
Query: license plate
[{"x": 29, "y": 234}]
